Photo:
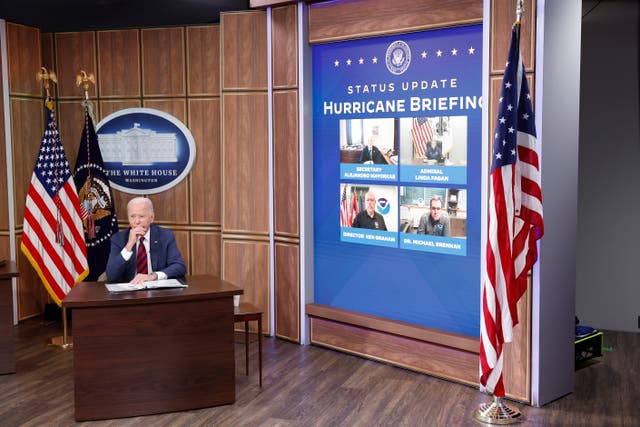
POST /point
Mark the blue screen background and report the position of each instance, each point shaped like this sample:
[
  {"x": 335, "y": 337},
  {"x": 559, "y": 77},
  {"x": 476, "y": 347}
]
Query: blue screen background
[{"x": 429, "y": 289}]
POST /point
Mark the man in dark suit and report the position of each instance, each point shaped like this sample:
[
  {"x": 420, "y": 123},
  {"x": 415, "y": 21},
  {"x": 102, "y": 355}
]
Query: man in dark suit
[
  {"x": 370, "y": 153},
  {"x": 144, "y": 251}
]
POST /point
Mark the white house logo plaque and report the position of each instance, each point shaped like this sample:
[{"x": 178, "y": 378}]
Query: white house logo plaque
[{"x": 145, "y": 151}]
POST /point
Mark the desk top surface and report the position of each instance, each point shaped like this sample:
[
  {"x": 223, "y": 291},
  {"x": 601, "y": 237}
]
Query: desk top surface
[
  {"x": 95, "y": 294},
  {"x": 8, "y": 270}
]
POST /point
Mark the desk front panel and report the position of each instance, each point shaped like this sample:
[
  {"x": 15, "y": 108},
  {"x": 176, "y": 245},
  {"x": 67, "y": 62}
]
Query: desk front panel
[
  {"x": 7, "y": 336},
  {"x": 7, "y": 339},
  {"x": 152, "y": 358}
]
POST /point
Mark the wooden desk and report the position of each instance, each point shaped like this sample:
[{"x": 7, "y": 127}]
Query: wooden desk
[
  {"x": 353, "y": 156},
  {"x": 350, "y": 156},
  {"x": 7, "y": 337},
  {"x": 152, "y": 351}
]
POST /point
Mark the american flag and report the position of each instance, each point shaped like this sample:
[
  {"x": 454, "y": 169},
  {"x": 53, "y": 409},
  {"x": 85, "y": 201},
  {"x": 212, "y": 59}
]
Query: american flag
[
  {"x": 344, "y": 209},
  {"x": 515, "y": 217},
  {"x": 421, "y": 134},
  {"x": 355, "y": 208},
  {"x": 53, "y": 239}
]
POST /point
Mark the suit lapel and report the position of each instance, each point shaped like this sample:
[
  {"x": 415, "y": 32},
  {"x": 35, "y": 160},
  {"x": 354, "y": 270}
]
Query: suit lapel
[{"x": 153, "y": 247}]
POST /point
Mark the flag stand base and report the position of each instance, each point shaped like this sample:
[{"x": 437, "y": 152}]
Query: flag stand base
[
  {"x": 60, "y": 342},
  {"x": 65, "y": 341},
  {"x": 496, "y": 412}
]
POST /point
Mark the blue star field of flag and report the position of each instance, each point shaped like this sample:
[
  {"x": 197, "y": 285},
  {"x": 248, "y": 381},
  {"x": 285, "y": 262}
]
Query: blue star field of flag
[
  {"x": 52, "y": 167},
  {"x": 514, "y": 114}
]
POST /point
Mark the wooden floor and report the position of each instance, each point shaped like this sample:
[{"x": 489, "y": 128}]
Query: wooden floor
[{"x": 313, "y": 386}]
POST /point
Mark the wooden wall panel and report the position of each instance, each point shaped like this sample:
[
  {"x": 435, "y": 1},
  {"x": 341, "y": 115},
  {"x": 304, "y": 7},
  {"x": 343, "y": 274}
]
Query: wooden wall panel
[
  {"x": 206, "y": 197},
  {"x": 4, "y": 197},
  {"x": 207, "y": 251},
  {"x": 32, "y": 295},
  {"x": 23, "y": 57},
  {"x": 244, "y": 49},
  {"x": 331, "y": 21},
  {"x": 48, "y": 56},
  {"x": 75, "y": 52},
  {"x": 108, "y": 107},
  {"x": 27, "y": 127},
  {"x": 171, "y": 205},
  {"x": 245, "y": 163},
  {"x": 246, "y": 265},
  {"x": 266, "y": 3},
  {"x": 120, "y": 200},
  {"x": 517, "y": 354},
  {"x": 285, "y": 46},
  {"x": 119, "y": 63},
  {"x": 503, "y": 14},
  {"x": 70, "y": 125},
  {"x": 177, "y": 107},
  {"x": 287, "y": 291},
  {"x": 182, "y": 241},
  {"x": 441, "y": 361},
  {"x": 286, "y": 189},
  {"x": 163, "y": 62},
  {"x": 203, "y": 60},
  {"x": 5, "y": 251}
]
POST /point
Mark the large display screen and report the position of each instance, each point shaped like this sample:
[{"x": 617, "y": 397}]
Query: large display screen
[{"x": 397, "y": 177}]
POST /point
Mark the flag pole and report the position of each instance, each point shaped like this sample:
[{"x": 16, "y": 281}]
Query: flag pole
[
  {"x": 46, "y": 77},
  {"x": 63, "y": 342},
  {"x": 519, "y": 10},
  {"x": 84, "y": 79},
  {"x": 496, "y": 411}
]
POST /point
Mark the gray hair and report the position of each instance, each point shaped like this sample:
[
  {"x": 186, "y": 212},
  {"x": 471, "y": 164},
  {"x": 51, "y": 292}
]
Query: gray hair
[
  {"x": 435, "y": 197},
  {"x": 144, "y": 200}
]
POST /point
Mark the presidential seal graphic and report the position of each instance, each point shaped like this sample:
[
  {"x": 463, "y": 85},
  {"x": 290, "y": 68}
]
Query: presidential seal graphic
[
  {"x": 398, "y": 57},
  {"x": 95, "y": 205}
]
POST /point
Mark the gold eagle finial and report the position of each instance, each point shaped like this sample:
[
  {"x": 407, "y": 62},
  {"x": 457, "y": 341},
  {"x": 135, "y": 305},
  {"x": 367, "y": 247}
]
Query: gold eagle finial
[
  {"x": 84, "y": 79},
  {"x": 46, "y": 77}
]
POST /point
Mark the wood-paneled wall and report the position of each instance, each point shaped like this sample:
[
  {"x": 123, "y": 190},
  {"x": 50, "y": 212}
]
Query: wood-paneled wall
[
  {"x": 175, "y": 70},
  {"x": 286, "y": 173},
  {"x": 26, "y": 127},
  {"x": 245, "y": 157},
  {"x": 5, "y": 248},
  {"x": 246, "y": 163}
]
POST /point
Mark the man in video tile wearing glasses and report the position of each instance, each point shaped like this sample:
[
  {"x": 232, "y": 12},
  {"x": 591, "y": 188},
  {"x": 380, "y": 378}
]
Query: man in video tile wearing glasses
[{"x": 436, "y": 221}]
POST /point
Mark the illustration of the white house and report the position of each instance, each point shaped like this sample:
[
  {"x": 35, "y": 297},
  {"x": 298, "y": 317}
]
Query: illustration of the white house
[{"x": 138, "y": 146}]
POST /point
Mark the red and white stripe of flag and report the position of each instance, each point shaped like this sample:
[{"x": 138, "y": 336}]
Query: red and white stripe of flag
[{"x": 59, "y": 266}]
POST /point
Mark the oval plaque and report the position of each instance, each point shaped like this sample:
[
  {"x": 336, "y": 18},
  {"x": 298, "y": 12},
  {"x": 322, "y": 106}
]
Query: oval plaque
[{"x": 145, "y": 151}]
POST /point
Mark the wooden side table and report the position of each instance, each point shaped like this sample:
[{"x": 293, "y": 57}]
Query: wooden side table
[
  {"x": 247, "y": 312},
  {"x": 8, "y": 271}
]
